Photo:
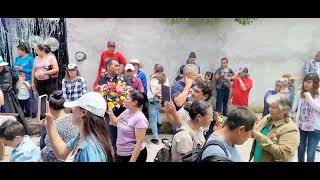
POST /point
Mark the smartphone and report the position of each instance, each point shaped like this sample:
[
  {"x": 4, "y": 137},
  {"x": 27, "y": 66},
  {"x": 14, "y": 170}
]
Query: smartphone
[
  {"x": 165, "y": 93},
  {"x": 42, "y": 107}
]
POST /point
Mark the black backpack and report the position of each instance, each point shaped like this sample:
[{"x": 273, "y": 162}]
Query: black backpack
[
  {"x": 164, "y": 154},
  {"x": 196, "y": 154}
]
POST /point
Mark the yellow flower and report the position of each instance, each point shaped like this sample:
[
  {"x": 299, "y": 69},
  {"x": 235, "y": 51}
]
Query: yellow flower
[
  {"x": 111, "y": 105},
  {"x": 122, "y": 98}
]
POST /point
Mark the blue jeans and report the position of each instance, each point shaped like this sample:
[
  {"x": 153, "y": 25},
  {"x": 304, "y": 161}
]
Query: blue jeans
[
  {"x": 222, "y": 101},
  {"x": 154, "y": 117},
  {"x": 308, "y": 139}
]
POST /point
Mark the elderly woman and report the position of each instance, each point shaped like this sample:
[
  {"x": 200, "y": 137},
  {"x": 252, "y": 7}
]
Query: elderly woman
[{"x": 276, "y": 135}]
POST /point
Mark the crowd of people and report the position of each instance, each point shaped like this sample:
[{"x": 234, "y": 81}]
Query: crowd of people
[{"x": 80, "y": 126}]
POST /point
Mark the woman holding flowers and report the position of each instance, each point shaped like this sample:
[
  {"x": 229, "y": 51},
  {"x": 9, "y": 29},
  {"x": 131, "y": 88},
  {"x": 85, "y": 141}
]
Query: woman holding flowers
[{"x": 132, "y": 126}]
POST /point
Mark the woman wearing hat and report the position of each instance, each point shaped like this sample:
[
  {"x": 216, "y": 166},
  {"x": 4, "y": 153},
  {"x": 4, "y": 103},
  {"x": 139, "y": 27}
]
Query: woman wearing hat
[
  {"x": 92, "y": 143},
  {"x": 111, "y": 53},
  {"x": 7, "y": 84},
  {"x": 73, "y": 86}
]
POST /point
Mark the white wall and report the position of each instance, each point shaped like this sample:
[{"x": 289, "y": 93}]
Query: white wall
[{"x": 269, "y": 48}]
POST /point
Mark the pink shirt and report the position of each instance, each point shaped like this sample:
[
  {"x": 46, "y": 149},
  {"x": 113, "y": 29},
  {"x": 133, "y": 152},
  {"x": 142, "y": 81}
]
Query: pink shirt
[
  {"x": 126, "y": 125},
  {"x": 42, "y": 65}
]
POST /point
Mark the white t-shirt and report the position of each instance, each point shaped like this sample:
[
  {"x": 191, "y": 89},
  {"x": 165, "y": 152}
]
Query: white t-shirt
[{"x": 23, "y": 93}]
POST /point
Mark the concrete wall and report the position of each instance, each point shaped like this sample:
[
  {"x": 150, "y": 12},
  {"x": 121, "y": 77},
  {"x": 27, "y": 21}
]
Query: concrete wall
[{"x": 269, "y": 48}]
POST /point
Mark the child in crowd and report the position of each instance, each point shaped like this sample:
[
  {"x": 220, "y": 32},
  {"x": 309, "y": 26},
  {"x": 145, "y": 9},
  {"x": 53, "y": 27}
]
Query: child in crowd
[
  {"x": 23, "y": 87},
  {"x": 12, "y": 134}
]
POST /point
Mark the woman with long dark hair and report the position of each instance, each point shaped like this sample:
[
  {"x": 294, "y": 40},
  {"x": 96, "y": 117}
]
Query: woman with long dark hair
[
  {"x": 307, "y": 106},
  {"x": 92, "y": 143},
  {"x": 132, "y": 126}
]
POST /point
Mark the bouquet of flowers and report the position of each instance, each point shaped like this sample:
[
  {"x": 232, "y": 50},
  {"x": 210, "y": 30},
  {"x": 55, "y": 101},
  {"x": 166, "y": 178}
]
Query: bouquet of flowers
[{"x": 115, "y": 93}]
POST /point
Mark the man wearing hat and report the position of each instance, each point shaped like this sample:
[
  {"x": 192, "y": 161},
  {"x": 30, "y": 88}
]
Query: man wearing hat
[
  {"x": 7, "y": 84},
  {"x": 241, "y": 87},
  {"x": 106, "y": 56},
  {"x": 131, "y": 80},
  {"x": 140, "y": 74}
]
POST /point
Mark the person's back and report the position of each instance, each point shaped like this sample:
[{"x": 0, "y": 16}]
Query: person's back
[
  {"x": 185, "y": 140},
  {"x": 12, "y": 134},
  {"x": 233, "y": 153}
]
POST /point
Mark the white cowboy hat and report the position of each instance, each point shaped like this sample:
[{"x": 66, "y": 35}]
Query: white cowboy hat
[
  {"x": 2, "y": 62},
  {"x": 136, "y": 61}
]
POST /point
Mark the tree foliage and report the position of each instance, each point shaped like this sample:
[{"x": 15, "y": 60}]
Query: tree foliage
[{"x": 242, "y": 21}]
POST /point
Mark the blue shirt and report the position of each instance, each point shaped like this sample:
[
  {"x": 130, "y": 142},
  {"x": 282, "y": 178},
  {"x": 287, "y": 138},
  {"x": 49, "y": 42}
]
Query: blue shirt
[
  {"x": 177, "y": 88},
  {"x": 142, "y": 76},
  {"x": 26, "y": 151},
  {"x": 27, "y": 64},
  {"x": 266, "y": 105},
  {"x": 233, "y": 153},
  {"x": 89, "y": 151}
]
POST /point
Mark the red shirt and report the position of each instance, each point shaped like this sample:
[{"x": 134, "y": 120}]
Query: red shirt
[
  {"x": 239, "y": 97},
  {"x": 105, "y": 56}
]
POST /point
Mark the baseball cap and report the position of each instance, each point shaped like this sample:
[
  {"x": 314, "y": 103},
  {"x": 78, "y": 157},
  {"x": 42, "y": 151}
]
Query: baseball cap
[
  {"x": 111, "y": 43},
  {"x": 129, "y": 66},
  {"x": 92, "y": 102},
  {"x": 72, "y": 66},
  {"x": 244, "y": 70}
]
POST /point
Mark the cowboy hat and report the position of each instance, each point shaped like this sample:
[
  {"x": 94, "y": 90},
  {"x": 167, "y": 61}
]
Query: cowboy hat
[
  {"x": 136, "y": 61},
  {"x": 2, "y": 62}
]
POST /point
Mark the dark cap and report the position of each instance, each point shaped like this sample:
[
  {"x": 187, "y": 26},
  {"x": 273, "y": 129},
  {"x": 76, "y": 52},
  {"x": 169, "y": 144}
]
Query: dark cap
[
  {"x": 244, "y": 70},
  {"x": 192, "y": 55},
  {"x": 111, "y": 43}
]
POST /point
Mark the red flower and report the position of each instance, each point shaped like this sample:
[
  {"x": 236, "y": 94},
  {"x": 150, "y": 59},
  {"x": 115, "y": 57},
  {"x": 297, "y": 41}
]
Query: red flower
[{"x": 120, "y": 93}]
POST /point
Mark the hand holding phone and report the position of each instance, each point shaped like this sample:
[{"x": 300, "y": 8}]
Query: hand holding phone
[
  {"x": 42, "y": 107},
  {"x": 165, "y": 93}
]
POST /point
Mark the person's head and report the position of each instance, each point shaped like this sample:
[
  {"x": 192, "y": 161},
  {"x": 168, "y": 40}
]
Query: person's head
[
  {"x": 200, "y": 112},
  {"x": 291, "y": 79},
  {"x": 190, "y": 71},
  {"x": 136, "y": 63},
  {"x": 111, "y": 46},
  {"x": 162, "y": 78},
  {"x": 2, "y": 64},
  {"x": 279, "y": 106},
  {"x": 202, "y": 90},
  {"x": 243, "y": 72},
  {"x": 22, "y": 76},
  {"x": 278, "y": 86},
  {"x": 129, "y": 70},
  {"x": 56, "y": 100},
  {"x": 135, "y": 99},
  {"x": 113, "y": 67},
  {"x": 192, "y": 58},
  {"x": 224, "y": 62},
  {"x": 11, "y": 132},
  {"x": 88, "y": 115},
  {"x": 284, "y": 88},
  {"x": 72, "y": 71},
  {"x": 317, "y": 56},
  {"x": 208, "y": 76},
  {"x": 240, "y": 123},
  {"x": 310, "y": 84},
  {"x": 158, "y": 68},
  {"x": 22, "y": 49},
  {"x": 42, "y": 50}
]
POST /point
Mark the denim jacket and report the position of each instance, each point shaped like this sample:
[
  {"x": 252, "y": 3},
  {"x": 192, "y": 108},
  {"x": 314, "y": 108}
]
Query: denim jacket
[{"x": 89, "y": 151}]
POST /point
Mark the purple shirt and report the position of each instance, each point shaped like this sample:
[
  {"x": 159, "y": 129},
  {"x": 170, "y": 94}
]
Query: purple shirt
[{"x": 127, "y": 124}]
